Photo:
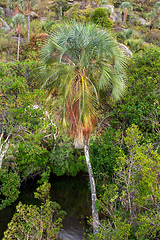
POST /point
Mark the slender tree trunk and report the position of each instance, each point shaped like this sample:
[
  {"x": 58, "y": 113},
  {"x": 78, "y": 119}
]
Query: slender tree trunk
[
  {"x": 3, "y": 153},
  {"x": 28, "y": 19},
  {"x": 18, "y": 46},
  {"x": 60, "y": 14},
  {"x": 95, "y": 214}
]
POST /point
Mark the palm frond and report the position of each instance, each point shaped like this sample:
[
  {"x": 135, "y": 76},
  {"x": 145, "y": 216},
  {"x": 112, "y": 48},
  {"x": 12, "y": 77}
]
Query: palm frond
[{"x": 78, "y": 62}]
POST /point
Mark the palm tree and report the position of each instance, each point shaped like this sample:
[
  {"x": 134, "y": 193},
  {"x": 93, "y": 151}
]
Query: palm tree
[
  {"x": 79, "y": 62},
  {"x": 156, "y": 9},
  {"x": 124, "y": 7},
  {"x": 26, "y": 7},
  {"x": 18, "y": 21},
  {"x": 150, "y": 18}
]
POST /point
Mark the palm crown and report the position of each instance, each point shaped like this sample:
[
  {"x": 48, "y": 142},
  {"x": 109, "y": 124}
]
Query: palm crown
[
  {"x": 17, "y": 21},
  {"x": 80, "y": 61},
  {"x": 125, "y": 5}
]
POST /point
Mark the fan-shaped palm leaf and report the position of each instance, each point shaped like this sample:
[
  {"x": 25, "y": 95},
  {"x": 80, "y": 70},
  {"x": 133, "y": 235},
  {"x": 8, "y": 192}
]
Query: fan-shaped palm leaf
[{"x": 79, "y": 62}]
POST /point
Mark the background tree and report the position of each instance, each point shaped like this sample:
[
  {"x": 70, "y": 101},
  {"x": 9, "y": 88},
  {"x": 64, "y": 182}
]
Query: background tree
[
  {"x": 26, "y": 7},
  {"x": 79, "y": 63},
  {"x": 124, "y": 8},
  {"x": 21, "y": 121},
  {"x": 156, "y": 9},
  {"x": 130, "y": 202},
  {"x": 18, "y": 21},
  {"x": 61, "y": 4}
]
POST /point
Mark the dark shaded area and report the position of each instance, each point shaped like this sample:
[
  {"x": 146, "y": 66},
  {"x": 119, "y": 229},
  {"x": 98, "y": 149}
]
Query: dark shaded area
[{"x": 73, "y": 195}]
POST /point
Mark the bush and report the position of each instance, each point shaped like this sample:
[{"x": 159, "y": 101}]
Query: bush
[
  {"x": 100, "y": 17},
  {"x": 9, "y": 190},
  {"x": 32, "y": 222},
  {"x": 104, "y": 151},
  {"x": 141, "y": 104},
  {"x": 131, "y": 202}
]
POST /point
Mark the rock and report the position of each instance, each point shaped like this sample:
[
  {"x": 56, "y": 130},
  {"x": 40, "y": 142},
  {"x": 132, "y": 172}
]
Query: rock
[
  {"x": 43, "y": 19},
  {"x": 115, "y": 17},
  {"x": 125, "y": 49},
  {"x": 33, "y": 15},
  {"x": 132, "y": 20},
  {"x": 118, "y": 29},
  {"x": 141, "y": 21},
  {"x": 7, "y": 13},
  {"x": 110, "y": 7}
]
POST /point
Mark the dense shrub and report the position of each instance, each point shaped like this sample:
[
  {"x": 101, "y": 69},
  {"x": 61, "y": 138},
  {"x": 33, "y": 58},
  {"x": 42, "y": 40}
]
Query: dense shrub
[
  {"x": 9, "y": 186},
  {"x": 32, "y": 222},
  {"x": 104, "y": 151},
  {"x": 130, "y": 203},
  {"x": 100, "y": 17},
  {"x": 141, "y": 104}
]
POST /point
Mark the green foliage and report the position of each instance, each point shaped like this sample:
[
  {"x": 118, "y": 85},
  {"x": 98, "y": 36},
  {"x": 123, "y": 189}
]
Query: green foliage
[
  {"x": 32, "y": 222},
  {"x": 18, "y": 20},
  {"x": 141, "y": 104},
  {"x": 156, "y": 9},
  {"x": 125, "y": 5},
  {"x": 153, "y": 37},
  {"x": 60, "y": 6},
  {"x": 78, "y": 14},
  {"x": 100, "y": 17},
  {"x": 131, "y": 202},
  {"x": 102, "y": 2},
  {"x": 124, "y": 34},
  {"x": 26, "y": 5},
  {"x": 36, "y": 157},
  {"x": 9, "y": 188},
  {"x": 42, "y": 192},
  {"x": 65, "y": 159},
  {"x": 81, "y": 47},
  {"x": 23, "y": 118},
  {"x": 46, "y": 26},
  {"x": 117, "y": 3},
  {"x": 130, "y": 38},
  {"x": 135, "y": 44},
  {"x": 28, "y": 70},
  {"x": 1, "y": 12},
  {"x": 104, "y": 151}
]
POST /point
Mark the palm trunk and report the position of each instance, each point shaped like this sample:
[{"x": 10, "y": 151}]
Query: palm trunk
[
  {"x": 28, "y": 19},
  {"x": 95, "y": 214},
  {"x": 18, "y": 46},
  {"x": 125, "y": 11}
]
